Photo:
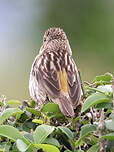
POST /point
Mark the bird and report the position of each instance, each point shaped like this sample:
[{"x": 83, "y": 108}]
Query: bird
[{"x": 54, "y": 75}]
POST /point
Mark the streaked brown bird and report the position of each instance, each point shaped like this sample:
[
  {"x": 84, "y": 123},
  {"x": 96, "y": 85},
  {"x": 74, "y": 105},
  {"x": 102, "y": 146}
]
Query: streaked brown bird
[{"x": 54, "y": 74}]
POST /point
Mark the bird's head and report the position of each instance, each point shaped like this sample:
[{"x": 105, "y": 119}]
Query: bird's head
[{"x": 54, "y": 33}]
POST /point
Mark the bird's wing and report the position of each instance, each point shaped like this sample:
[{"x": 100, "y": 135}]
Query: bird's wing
[
  {"x": 46, "y": 75},
  {"x": 58, "y": 74},
  {"x": 73, "y": 82}
]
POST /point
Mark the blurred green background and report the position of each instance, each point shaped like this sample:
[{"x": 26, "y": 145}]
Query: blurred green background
[{"x": 89, "y": 26}]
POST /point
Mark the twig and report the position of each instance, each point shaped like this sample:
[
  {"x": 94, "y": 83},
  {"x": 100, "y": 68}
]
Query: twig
[
  {"x": 82, "y": 86},
  {"x": 100, "y": 132}
]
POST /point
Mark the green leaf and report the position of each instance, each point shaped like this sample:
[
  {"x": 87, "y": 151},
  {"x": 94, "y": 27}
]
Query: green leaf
[
  {"x": 5, "y": 146},
  {"x": 42, "y": 132},
  {"x": 52, "y": 110},
  {"x": 29, "y": 137},
  {"x": 52, "y": 141},
  {"x": 39, "y": 121},
  {"x": 28, "y": 125},
  {"x": 51, "y": 107},
  {"x": 13, "y": 102},
  {"x": 78, "y": 142},
  {"x": 94, "y": 148},
  {"x": 109, "y": 136},
  {"x": 92, "y": 140},
  {"x": 109, "y": 124},
  {"x": 33, "y": 111},
  {"x": 80, "y": 150},
  {"x": 8, "y": 113},
  {"x": 1, "y": 104},
  {"x": 86, "y": 129},
  {"x": 32, "y": 104},
  {"x": 110, "y": 145},
  {"x": 67, "y": 132},
  {"x": 21, "y": 145},
  {"x": 47, "y": 148},
  {"x": 104, "y": 105},
  {"x": 54, "y": 115},
  {"x": 67, "y": 151},
  {"x": 12, "y": 133},
  {"x": 105, "y": 78},
  {"x": 112, "y": 116},
  {"x": 105, "y": 88},
  {"x": 2, "y": 150},
  {"x": 94, "y": 99}
]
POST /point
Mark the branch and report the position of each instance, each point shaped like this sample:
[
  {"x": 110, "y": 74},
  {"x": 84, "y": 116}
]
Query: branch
[{"x": 100, "y": 132}]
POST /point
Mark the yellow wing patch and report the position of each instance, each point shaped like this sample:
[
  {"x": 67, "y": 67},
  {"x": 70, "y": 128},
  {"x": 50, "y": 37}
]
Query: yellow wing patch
[{"x": 63, "y": 80}]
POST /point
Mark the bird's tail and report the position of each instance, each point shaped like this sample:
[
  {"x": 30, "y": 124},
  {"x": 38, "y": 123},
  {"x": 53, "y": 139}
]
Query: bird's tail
[{"x": 65, "y": 106}]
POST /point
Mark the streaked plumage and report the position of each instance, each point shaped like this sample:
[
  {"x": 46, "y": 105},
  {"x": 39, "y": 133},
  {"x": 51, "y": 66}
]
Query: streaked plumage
[{"x": 54, "y": 73}]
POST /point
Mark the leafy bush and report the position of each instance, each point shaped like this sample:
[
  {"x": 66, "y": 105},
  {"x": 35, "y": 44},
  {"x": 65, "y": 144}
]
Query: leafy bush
[{"x": 23, "y": 127}]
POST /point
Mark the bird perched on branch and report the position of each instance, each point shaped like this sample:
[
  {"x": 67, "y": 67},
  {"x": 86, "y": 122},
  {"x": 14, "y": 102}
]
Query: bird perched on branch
[{"x": 54, "y": 74}]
